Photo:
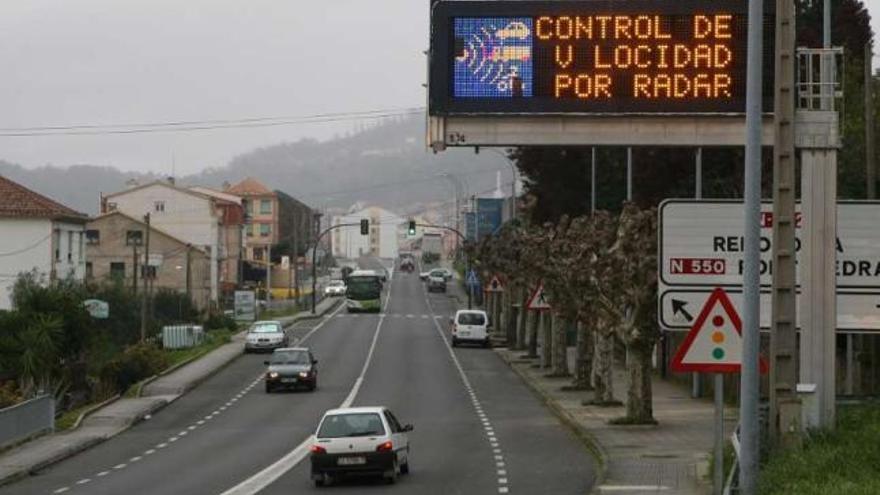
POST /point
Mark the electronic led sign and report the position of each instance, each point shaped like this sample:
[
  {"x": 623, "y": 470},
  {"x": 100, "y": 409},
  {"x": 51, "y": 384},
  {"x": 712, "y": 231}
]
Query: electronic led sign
[{"x": 632, "y": 57}]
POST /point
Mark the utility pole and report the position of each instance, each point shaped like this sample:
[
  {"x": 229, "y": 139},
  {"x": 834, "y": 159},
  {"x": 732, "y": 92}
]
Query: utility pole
[
  {"x": 268, "y": 273},
  {"x": 629, "y": 173},
  {"x": 870, "y": 166},
  {"x": 784, "y": 424},
  {"x": 749, "y": 379},
  {"x": 145, "y": 276},
  {"x": 189, "y": 271},
  {"x": 134, "y": 268}
]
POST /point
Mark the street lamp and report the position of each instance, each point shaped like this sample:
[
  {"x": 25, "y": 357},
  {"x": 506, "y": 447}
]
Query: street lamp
[{"x": 512, "y": 182}]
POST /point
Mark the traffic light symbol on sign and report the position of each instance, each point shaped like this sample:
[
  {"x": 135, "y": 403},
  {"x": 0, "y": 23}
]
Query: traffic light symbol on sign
[
  {"x": 365, "y": 226},
  {"x": 412, "y": 228}
]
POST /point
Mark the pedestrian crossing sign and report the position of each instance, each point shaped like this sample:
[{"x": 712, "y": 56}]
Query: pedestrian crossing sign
[
  {"x": 714, "y": 343},
  {"x": 538, "y": 301},
  {"x": 472, "y": 278}
]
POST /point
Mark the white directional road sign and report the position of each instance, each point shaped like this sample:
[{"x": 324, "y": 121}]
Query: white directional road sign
[
  {"x": 678, "y": 308},
  {"x": 701, "y": 247},
  {"x": 701, "y": 244}
]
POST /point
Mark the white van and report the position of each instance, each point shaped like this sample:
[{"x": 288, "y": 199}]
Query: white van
[{"x": 470, "y": 325}]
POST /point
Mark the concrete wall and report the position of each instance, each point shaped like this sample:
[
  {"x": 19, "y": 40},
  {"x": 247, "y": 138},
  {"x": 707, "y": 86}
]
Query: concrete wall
[
  {"x": 26, "y": 244},
  {"x": 27, "y": 419}
]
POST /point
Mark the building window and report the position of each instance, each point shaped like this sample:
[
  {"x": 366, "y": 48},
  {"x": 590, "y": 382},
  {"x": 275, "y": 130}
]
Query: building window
[
  {"x": 159, "y": 206},
  {"x": 250, "y": 229},
  {"x": 90, "y": 270},
  {"x": 56, "y": 243},
  {"x": 69, "y": 246},
  {"x": 80, "y": 240},
  {"x": 93, "y": 237},
  {"x": 265, "y": 206},
  {"x": 111, "y": 207},
  {"x": 117, "y": 270},
  {"x": 247, "y": 205},
  {"x": 134, "y": 237},
  {"x": 265, "y": 230},
  {"x": 258, "y": 254}
]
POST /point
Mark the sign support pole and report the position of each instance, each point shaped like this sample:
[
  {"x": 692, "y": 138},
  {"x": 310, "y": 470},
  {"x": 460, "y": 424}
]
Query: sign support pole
[
  {"x": 749, "y": 379},
  {"x": 593, "y": 180},
  {"x": 718, "y": 468},
  {"x": 696, "y": 386}
]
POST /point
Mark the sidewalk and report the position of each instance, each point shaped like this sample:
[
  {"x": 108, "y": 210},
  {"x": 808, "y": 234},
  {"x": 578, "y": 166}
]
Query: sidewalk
[
  {"x": 671, "y": 457},
  {"x": 122, "y": 414}
]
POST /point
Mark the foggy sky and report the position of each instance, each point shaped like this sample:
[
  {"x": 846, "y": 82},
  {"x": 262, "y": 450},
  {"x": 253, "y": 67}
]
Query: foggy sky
[
  {"x": 111, "y": 61},
  {"x": 68, "y": 62}
]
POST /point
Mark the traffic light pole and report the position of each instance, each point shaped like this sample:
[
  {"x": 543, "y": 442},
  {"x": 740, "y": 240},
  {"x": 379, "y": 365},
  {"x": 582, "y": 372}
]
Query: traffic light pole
[
  {"x": 467, "y": 258},
  {"x": 314, "y": 258}
]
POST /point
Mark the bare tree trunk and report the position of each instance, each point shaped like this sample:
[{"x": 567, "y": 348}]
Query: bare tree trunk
[
  {"x": 584, "y": 357},
  {"x": 602, "y": 367},
  {"x": 639, "y": 403},
  {"x": 534, "y": 325},
  {"x": 522, "y": 324},
  {"x": 546, "y": 339},
  {"x": 560, "y": 347}
]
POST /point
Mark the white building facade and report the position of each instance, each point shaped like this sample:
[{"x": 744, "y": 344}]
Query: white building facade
[
  {"x": 187, "y": 215},
  {"x": 37, "y": 234},
  {"x": 381, "y": 242}
]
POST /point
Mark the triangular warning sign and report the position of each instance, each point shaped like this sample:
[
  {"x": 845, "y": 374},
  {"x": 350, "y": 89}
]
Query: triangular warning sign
[
  {"x": 538, "y": 301},
  {"x": 495, "y": 285},
  {"x": 714, "y": 343}
]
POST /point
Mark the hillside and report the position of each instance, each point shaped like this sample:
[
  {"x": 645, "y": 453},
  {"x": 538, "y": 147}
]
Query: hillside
[{"x": 385, "y": 165}]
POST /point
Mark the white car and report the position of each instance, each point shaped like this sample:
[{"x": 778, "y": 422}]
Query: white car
[
  {"x": 335, "y": 288},
  {"x": 359, "y": 440},
  {"x": 470, "y": 325},
  {"x": 265, "y": 335}
]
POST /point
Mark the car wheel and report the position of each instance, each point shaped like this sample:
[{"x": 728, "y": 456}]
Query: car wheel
[
  {"x": 268, "y": 389},
  {"x": 395, "y": 472},
  {"x": 404, "y": 468},
  {"x": 487, "y": 343},
  {"x": 313, "y": 386},
  {"x": 454, "y": 342}
]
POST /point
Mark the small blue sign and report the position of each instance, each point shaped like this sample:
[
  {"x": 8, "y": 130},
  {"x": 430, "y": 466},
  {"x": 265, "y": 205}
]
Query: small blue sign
[{"x": 472, "y": 278}]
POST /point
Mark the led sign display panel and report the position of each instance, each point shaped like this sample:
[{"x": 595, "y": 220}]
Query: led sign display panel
[{"x": 633, "y": 57}]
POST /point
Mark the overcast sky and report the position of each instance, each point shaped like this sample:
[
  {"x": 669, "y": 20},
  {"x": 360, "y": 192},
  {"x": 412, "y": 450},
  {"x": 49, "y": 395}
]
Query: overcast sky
[
  {"x": 110, "y": 61},
  {"x": 65, "y": 62}
]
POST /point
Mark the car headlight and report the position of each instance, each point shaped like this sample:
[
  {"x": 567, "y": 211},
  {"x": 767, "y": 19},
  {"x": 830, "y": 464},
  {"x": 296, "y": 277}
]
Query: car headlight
[
  {"x": 303, "y": 374},
  {"x": 272, "y": 375}
]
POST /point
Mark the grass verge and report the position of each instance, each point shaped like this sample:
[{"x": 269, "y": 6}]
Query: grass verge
[
  {"x": 68, "y": 419},
  {"x": 843, "y": 461}
]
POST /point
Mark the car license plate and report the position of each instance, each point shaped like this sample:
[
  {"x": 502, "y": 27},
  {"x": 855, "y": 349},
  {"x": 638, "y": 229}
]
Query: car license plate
[
  {"x": 464, "y": 334},
  {"x": 288, "y": 380},
  {"x": 351, "y": 461}
]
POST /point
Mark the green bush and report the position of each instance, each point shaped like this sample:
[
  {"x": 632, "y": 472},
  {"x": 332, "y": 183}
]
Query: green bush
[
  {"x": 9, "y": 394},
  {"x": 219, "y": 321},
  {"x": 133, "y": 365}
]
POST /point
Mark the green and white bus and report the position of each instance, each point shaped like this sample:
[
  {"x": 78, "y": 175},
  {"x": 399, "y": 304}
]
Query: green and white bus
[{"x": 363, "y": 291}]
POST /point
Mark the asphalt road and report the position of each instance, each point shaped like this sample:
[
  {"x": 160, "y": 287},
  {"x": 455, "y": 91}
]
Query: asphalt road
[{"x": 478, "y": 429}]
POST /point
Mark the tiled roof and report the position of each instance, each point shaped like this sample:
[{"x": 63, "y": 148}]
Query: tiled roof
[
  {"x": 249, "y": 187},
  {"x": 17, "y": 201}
]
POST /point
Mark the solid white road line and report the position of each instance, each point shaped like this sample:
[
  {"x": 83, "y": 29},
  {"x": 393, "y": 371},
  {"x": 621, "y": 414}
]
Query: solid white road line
[{"x": 268, "y": 475}]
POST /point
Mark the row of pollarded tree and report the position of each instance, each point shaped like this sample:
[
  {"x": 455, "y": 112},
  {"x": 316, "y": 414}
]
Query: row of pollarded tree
[{"x": 600, "y": 273}]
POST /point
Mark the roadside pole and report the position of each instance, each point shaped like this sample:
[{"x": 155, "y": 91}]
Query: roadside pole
[
  {"x": 749, "y": 379},
  {"x": 145, "y": 276},
  {"x": 718, "y": 466},
  {"x": 696, "y": 382},
  {"x": 315, "y": 257}
]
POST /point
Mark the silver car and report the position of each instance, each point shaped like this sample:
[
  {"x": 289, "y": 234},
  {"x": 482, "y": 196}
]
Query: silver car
[{"x": 265, "y": 336}]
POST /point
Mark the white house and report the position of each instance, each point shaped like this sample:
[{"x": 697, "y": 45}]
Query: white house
[
  {"x": 382, "y": 240},
  {"x": 37, "y": 233},
  {"x": 188, "y": 215}
]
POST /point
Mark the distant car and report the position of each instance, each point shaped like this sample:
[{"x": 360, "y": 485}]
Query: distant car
[
  {"x": 291, "y": 367},
  {"x": 470, "y": 325},
  {"x": 360, "y": 440},
  {"x": 265, "y": 336},
  {"x": 436, "y": 282},
  {"x": 424, "y": 275},
  {"x": 335, "y": 288}
]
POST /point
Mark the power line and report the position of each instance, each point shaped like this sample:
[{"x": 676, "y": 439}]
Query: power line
[{"x": 201, "y": 125}]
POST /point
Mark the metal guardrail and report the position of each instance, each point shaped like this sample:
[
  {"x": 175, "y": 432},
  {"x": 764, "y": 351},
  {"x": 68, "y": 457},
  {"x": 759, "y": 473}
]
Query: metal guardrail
[
  {"x": 731, "y": 486},
  {"x": 27, "y": 419}
]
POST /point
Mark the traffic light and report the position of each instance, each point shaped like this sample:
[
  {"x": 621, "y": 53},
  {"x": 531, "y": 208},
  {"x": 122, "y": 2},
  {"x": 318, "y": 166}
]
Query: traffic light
[
  {"x": 412, "y": 227},
  {"x": 365, "y": 226}
]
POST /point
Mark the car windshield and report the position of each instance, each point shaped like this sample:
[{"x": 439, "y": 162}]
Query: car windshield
[
  {"x": 471, "y": 319},
  {"x": 438, "y": 273},
  {"x": 336, "y": 283},
  {"x": 290, "y": 357},
  {"x": 351, "y": 425},
  {"x": 266, "y": 328}
]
